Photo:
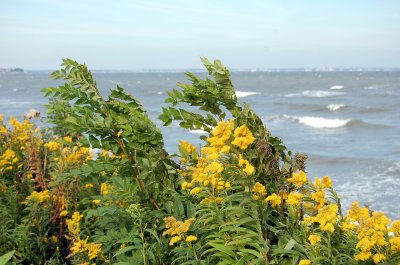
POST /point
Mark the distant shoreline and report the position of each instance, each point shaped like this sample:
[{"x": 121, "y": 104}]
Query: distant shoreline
[{"x": 194, "y": 70}]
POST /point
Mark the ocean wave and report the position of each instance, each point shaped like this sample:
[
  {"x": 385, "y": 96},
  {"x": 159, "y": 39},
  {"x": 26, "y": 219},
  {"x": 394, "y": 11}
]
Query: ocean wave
[
  {"x": 319, "y": 122},
  {"x": 314, "y": 94},
  {"x": 324, "y": 123},
  {"x": 337, "y": 87},
  {"x": 373, "y": 110},
  {"x": 242, "y": 94},
  {"x": 335, "y": 107}
]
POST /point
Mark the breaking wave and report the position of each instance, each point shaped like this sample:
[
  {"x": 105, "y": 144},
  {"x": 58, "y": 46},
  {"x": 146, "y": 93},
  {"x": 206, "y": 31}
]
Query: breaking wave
[
  {"x": 242, "y": 94},
  {"x": 315, "y": 94},
  {"x": 335, "y": 107},
  {"x": 324, "y": 123}
]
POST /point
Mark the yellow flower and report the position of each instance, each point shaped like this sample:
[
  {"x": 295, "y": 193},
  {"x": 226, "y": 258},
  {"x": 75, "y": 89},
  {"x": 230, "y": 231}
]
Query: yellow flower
[
  {"x": 104, "y": 189},
  {"x": 88, "y": 186},
  {"x": 319, "y": 197},
  {"x": 219, "y": 200},
  {"x": 314, "y": 239},
  {"x": 188, "y": 147},
  {"x": 395, "y": 228},
  {"x": 119, "y": 133},
  {"x": 52, "y": 146},
  {"x": 326, "y": 182},
  {"x": 63, "y": 213},
  {"x": 378, "y": 258},
  {"x": 220, "y": 134},
  {"x": 294, "y": 199},
  {"x": 298, "y": 179},
  {"x": 195, "y": 190},
  {"x": 3, "y": 130},
  {"x": 96, "y": 201},
  {"x": 248, "y": 168},
  {"x": 274, "y": 199},
  {"x": 356, "y": 212},
  {"x": 76, "y": 216},
  {"x": 93, "y": 250},
  {"x": 305, "y": 262},
  {"x": 243, "y": 137},
  {"x": 205, "y": 201},
  {"x": 39, "y": 197},
  {"x": 395, "y": 244},
  {"x": 326, "y": 217},
  {"x": 79, "y": 246},
  {"x": 174, "y": 240},
  {"x": 68, "y": 139},
  {"x": 184, "y": 185},
  {"x": 363, "y": 256},
  {"x": 191, "y": 238},
  {"x": 259, "y": 188}
]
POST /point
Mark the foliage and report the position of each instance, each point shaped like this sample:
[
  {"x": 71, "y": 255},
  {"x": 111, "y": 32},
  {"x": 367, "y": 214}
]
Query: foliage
[{"x": 99, "y": 188}]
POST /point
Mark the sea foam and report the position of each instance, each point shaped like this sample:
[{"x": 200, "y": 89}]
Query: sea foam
[
  {"x": 335, "y": 107},
  {"x": 314, "y": 94},
  {"x": 319, "y": 122},
  {"x": 242, "y": 94},
  {"x": 337, "y": 87}
]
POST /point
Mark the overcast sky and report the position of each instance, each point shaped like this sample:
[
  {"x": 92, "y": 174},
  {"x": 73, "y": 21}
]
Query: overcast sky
[{"x": 37, "y": 34}]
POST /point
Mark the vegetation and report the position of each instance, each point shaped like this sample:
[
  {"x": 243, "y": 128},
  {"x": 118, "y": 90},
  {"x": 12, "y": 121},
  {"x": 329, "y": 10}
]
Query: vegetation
[{"x": 98, "y": 186}]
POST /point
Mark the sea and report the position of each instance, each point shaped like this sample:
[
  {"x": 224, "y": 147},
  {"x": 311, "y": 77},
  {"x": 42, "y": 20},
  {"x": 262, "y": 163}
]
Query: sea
[{"x": 347, "y": 121}]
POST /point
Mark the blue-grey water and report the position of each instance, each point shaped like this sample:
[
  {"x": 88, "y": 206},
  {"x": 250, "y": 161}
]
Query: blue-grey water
[{"x": 347, "y": 122}]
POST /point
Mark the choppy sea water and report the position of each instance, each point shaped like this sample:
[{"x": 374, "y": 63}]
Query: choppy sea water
[{"x": 347, "y": 122}]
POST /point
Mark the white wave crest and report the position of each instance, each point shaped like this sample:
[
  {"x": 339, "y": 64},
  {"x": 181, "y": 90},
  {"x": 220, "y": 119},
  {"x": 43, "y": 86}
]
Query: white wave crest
[
  {"x": 315, "y": 122},
  {"x": 337, "y": 87},
  {"x": 242, "y": 94},
  {"x": 335, "y": 107},
  {"x": 315, "y": 94},
  {"x": 319, "y": 122},
  {"x": 198, "y": 131}
]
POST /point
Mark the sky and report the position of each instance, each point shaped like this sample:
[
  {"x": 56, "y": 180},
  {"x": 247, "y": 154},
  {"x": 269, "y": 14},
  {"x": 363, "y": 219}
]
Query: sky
[{"x": 159, "y": 34}]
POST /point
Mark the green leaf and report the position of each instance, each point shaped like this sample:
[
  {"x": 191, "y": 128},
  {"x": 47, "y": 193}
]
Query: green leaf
[{"x": 6, "y": 257}]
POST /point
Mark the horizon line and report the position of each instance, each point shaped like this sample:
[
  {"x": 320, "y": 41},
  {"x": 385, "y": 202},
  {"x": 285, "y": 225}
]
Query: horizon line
[{"x": 270, "y": 69}]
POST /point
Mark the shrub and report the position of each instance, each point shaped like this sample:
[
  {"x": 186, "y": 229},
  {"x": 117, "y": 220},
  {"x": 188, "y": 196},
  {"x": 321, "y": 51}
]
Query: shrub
[{"x": 99, "y": 188}]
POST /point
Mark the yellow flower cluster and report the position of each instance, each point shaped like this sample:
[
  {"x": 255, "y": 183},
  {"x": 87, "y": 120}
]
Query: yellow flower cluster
[
  {"x": 371, "y": 229},
  {"x": 7, "y": 160},
  {"x": 207, "y": 173},
  {"x": 76, "y": 154},
  {"x": 73, "y": 224},
  {"x": 208, "y": 169},
  {"x": 294, "y": 199},
  {"x": 188, "y": 147},
  {"x": 243, "y": 137},
  {"x": 3, "y": 129},
  {"x": 258, "y": 191},
  {"x": 221, "y": 134},
  {"x": 177, "y": 229},
  {"x": 298, "y": 178},
  {"x": 247, "y": 167},
  {"x": 314, "y": 239},
  {"x": 104, "y": 188},
  {"x": 305, "y": 262},
  {"x": 21, "y": 130},
  {"x": 326, "y": 217},
  {"x": 38, "y": 197},
  {"x": 395, "y": 239},
  {"x": 52, "y": 146},
  {"x": 274, "y": 199},
  {"x": 80, "y": 246}
]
